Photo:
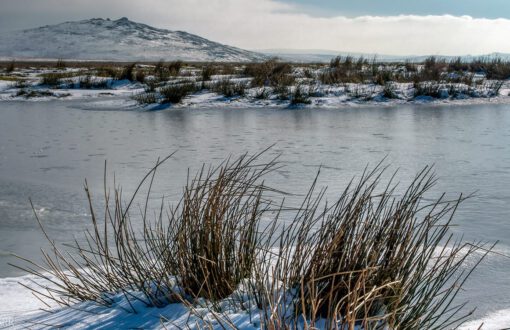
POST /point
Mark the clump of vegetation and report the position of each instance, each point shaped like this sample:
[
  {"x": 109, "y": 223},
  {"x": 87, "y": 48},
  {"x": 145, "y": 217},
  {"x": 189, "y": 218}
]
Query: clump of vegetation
[
  {"x": 35, "y": 93},
  {"x": 430, "y": 89},
  {"x": 174, "y": 68},
  {"x": 128, "y": 72},
  {"x": 87, "y": 82},
  {"x": 61, "y": 64},
  {"x": 299, "y": 96},
  {"x": 146, "y": 98},
  {"x": 390, "y": 91},
  {"x": 108, "y": 71},
  {"x": 207, "y": 72},
  {"x": 174, "y": 93},
  {"x": 262, "y": 93},
  {"x": 20, "y": 83},
  {"x": 52, "y": 79},
  {"x": 343, "y": 70},
  {"x": 282, "y": 92},
  {"x": 270, "y": 73},
  {"x": 160, "y": 71},
  {"x": 368, "y": 259},
  {"x": 229, "y": 88},
  {"x": 151, "y": 85},
  {"x": 10, "y": 67}
]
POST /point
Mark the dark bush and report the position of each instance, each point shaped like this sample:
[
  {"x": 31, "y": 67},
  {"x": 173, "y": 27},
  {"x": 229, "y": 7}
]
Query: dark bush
[
  {"x": 299, "y": 96},
  {"x": 207, "y": 72},
  {"x": 127, "y": 72},
  {"x": 174, "y": 68},
  {"x": 176, "y": 92},
  {"x": 228, "y": 88}
]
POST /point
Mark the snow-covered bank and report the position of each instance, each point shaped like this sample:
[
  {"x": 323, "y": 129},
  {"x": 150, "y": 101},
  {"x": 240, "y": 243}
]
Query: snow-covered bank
[
  {"x": 192, "y": 87},
  {"x": 121, "y": 98},
  {"x": 19, "y": 309}
]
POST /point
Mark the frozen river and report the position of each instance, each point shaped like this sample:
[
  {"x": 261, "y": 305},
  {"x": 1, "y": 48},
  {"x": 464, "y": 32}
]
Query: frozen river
[{"x": 47, "y": 149}]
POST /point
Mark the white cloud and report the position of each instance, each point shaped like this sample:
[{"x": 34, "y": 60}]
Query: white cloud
[{"x": 264, "y": 24}]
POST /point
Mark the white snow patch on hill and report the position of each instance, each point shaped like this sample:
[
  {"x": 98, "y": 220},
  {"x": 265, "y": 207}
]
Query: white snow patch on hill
[{"x": 116, "y": 40}]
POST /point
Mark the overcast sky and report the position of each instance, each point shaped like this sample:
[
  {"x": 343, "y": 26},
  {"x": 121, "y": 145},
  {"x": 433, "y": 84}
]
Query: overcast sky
[{"x": 399, "y": 27}]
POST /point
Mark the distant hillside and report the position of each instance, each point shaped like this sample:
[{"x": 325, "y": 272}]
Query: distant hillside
[{"x": 116, "y": 40}]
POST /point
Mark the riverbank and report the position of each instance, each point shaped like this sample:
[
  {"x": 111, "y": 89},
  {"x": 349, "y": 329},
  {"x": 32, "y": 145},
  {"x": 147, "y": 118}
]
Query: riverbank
[{"x": 271, "y": 84}]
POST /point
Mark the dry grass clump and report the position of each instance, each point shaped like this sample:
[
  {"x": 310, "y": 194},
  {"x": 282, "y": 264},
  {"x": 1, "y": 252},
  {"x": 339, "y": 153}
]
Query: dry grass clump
[
  {"x": 10, "y": 67},
  {"x": 163, "y": 71},
  {"x": 299, "y": 96},
  {"x": 127, "y": 72},
  {"x": 343, "y": 70},
  {"x": 390, "y": 91},
  {"x": 174, "y": 93},
  {"x": 88, "y": 82},
  {"x": 108, "y": 71},
  {"x": 229, "y": 88},
  {"x": 208, "y": 71},
  {"x": 146, "y": 98},
  {"x": 61, "y": 64},
  {"x": 52, "y": 79},
  {"x": 171, "y": 93},
  {"x": 375, "y": 257},
  {"x": 371, "y": 259},
  {"x": 269, "y": 73},
  {"x": 217, "y": 231},
  {"x": 174, "y": 68}
]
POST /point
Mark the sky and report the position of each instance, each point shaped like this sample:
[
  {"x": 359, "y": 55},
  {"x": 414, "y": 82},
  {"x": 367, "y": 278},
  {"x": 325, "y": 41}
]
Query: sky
[{"x": 390, "y": 27}]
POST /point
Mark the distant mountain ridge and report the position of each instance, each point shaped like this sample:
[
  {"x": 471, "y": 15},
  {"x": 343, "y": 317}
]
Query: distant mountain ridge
[{"x": 116, "y": 40}]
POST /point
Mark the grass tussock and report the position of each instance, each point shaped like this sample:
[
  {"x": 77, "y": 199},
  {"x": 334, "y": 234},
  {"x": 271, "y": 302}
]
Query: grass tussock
[
  {"x": 61, "y": 64},
  {"x": 146, "y": 98},
  {"x": 229, "y": 88},
  {"x": 88, "y": 82},
  {"x": 270, "y": 73},
  {"x": 208, "y": 71},
  {"x": 11, "y": 66},
  {"x": 128, "y": 72},
  {"x": 369, "y": 259},
  {"x": 52, "y": 79},
  {"x": 175, "y": 93},
  {"x": 376, "y": 257},
  {"x": 299, "y": 96}
]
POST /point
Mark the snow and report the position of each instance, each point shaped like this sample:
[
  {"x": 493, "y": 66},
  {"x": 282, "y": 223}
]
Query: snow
[
  {"x": 18, "y": 309},
  {"x": 498, "y": 320},
  {"x": 116, "y": 40},
  {"x": 118, "y": 95}
]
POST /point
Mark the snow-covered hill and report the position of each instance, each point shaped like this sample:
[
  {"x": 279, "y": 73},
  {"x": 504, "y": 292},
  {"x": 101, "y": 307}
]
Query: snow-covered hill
[{"x": 116, "y": 40}]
